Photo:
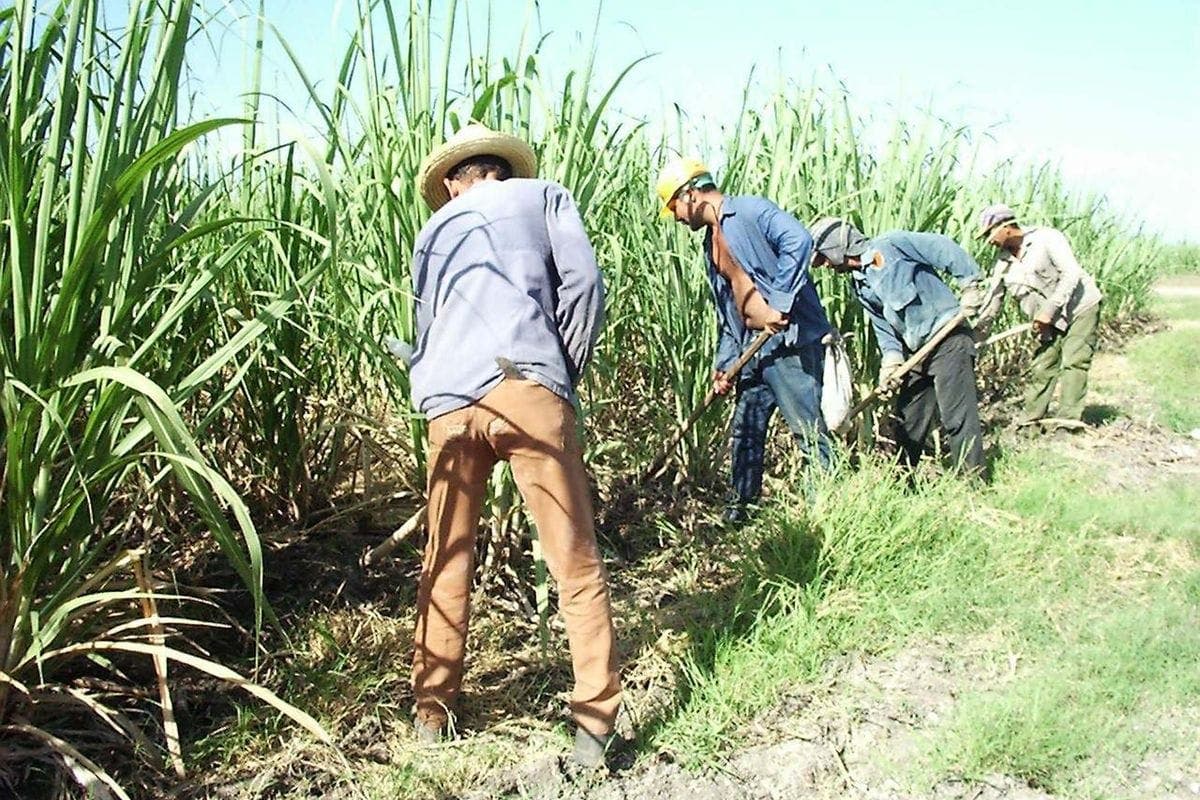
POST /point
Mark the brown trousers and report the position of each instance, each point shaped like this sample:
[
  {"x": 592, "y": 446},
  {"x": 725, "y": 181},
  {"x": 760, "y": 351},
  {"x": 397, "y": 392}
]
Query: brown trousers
[{"x": 534, "y": 430}]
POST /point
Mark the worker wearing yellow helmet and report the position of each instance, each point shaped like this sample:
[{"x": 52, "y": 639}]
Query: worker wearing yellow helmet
[
  {"x": 676, "y": 175},
  {"x": 758, "y": 258}
]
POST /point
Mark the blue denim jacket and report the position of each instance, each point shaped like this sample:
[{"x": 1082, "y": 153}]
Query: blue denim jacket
[
  {"x": 774, "y": 249},
  {"x": 905, "y": 299}
]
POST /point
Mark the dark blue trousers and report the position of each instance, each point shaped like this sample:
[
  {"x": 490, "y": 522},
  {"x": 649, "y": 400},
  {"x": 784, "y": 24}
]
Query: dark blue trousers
[{"x": 784, "y": 378}]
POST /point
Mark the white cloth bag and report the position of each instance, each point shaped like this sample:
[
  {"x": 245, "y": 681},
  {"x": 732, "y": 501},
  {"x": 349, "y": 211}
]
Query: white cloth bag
[{"x": 837, "y": 386}]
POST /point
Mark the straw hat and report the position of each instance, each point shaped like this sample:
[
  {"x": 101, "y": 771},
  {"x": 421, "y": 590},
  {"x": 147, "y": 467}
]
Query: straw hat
[{"x": 472, "y": 140}]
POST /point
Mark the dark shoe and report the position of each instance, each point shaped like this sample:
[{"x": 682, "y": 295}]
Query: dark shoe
[
  {"x": 736, "y": 514},
  {"x": 590, "y": 748}
]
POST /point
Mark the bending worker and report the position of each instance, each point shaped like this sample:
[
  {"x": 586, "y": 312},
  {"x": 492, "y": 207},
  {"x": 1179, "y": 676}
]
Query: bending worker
[
  {"x": 1037, "y": 267},
  {"x": 757, "y": 257},
  {"x": 895, "y": 277},
  {"x": 509, "y": 305}
]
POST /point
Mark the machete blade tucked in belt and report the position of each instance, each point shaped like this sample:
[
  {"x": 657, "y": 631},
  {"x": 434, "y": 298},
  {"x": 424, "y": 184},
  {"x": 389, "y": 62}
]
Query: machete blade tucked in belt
[{"x": 509, "y": 369}]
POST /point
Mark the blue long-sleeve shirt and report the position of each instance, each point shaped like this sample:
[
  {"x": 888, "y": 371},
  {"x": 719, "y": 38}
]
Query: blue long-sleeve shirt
[
  {"x": 503, "y": 270},
  {"x": 905, "y": 299},
  {"x": 774, "y": 249}
]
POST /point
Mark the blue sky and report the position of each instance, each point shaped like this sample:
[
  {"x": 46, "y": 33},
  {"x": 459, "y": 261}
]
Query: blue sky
[{"x": 1109, "y": 91}]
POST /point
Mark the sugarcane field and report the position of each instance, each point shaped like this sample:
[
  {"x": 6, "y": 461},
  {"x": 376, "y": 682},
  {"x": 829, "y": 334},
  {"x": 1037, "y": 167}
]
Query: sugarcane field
[{"x": 390, "y": 390}]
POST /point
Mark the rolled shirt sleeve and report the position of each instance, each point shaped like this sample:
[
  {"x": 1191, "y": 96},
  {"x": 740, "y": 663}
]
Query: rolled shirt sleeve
[
  {"x": 793, "y": 245},
  {"x": 579, "y": 310}
]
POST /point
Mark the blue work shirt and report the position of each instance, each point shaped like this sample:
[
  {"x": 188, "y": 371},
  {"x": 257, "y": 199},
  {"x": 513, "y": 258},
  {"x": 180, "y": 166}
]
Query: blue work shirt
[
  {"x": 774, "y": 249},
  {"x": 905, "y": 299},
  {"x": 503, "y": 270}
]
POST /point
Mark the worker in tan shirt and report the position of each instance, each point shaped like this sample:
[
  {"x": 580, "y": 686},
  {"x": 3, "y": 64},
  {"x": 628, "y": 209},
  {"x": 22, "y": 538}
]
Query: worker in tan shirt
[{"x": 1038, "y": 268}]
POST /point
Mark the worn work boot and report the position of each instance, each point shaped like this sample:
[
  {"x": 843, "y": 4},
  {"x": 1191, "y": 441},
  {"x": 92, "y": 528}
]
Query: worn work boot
[{"x": 590, "y": 748}]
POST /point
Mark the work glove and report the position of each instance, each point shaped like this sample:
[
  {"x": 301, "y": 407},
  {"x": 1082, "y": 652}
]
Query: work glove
[
  {"x": 888, "y": 381},
  {"x": 972, "y": 300}
]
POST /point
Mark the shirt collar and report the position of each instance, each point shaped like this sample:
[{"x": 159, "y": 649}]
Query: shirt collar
[
  {"x": 1026, "y": 241},
  {"x": 729, "y": 206},
  {"x": 1023, "y": 250}
]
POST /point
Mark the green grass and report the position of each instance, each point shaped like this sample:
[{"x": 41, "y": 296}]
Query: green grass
[
  {"x": 1181, "y": 259},
  {"x": 817, "y": 583},
  {"x": 1095, "y": 589},
  {"x": 1177, "y": 308},
  {"x": 1083, "y": 704},
  {"x": 1030, "y": 562},
  {"x": 1174, "y": 389},
  {"x": 1043, "y": 486}
]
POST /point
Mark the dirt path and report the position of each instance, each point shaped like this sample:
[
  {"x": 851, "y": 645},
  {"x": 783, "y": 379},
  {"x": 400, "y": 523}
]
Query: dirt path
[
  {"x": 850, "y": 735},
  {"x": 1178, "y": 286},
  {"x": 1136, "y": 451}
]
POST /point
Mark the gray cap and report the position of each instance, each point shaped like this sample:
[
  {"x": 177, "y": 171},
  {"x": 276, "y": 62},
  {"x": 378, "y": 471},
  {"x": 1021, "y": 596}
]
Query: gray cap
[
  {"x": 835, "y": 238},
  {"x": 993, "y": 216}
]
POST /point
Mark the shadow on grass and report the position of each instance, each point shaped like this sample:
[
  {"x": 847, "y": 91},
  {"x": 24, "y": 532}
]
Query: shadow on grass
[
  {"x": 788, "y": 556},
  {"x": 1101, "y": 414},
  {"x": 339, "y": 626}
]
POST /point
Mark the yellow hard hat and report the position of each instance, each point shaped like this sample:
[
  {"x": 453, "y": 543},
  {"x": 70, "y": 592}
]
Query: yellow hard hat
[{"x": 674, "y": 176}]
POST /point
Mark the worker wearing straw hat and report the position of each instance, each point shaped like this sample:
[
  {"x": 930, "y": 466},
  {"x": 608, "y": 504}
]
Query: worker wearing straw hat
[
  {"x": 509, "y": 302},
  {"x": 1038, "y": 268},
  {"x": 895, "y": 277},
  {"x": 757, "y": 256}
]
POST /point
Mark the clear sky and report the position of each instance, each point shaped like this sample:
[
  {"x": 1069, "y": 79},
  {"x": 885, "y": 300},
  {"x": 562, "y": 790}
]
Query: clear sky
[{"x": 1110, "y": 91}]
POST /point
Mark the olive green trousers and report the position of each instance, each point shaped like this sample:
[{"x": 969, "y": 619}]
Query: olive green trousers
[{"x": 1063, "y": 360}]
